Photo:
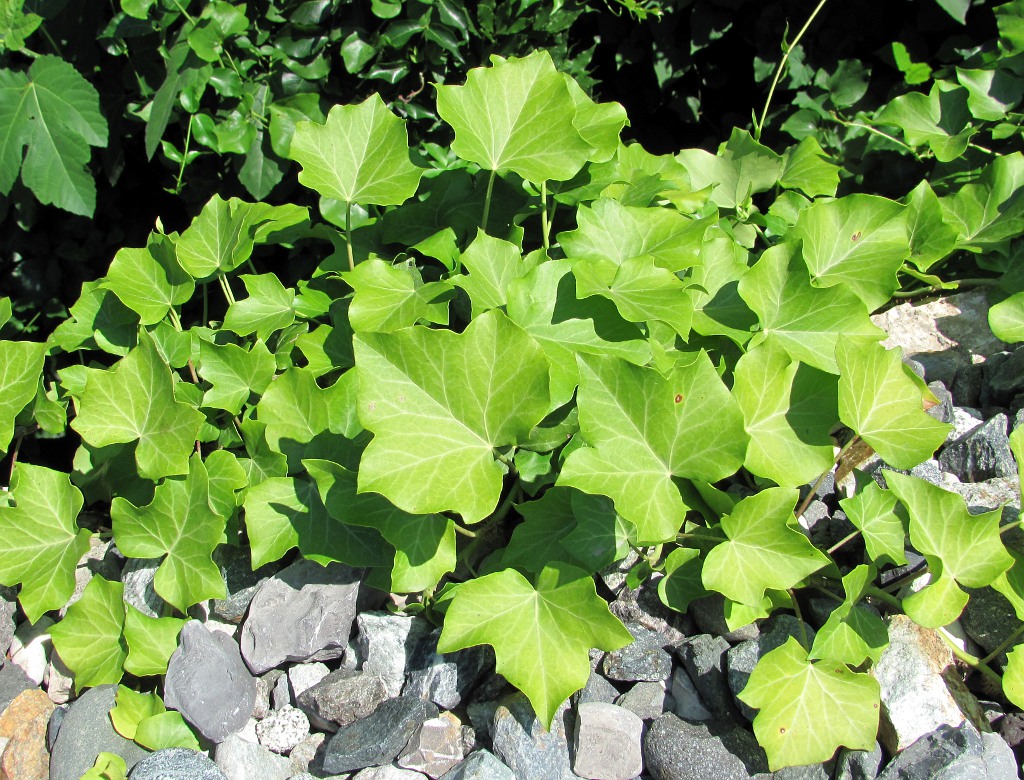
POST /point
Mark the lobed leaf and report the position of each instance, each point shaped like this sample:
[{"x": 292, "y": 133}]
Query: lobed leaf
[{"x": 90, "y": 638}]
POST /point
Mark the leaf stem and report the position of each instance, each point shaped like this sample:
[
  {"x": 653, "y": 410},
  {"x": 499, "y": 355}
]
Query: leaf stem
[
  {"x": 172, "y": 315},
  {"x": 463, "y": 531},
  {"x": 849, "y": 537},
  {"x": 800, "y": 620},
  {"x": 544, "y": 226},
  {"x": 934, "y": 288},
  {"x": 487, "y": 200},
  {"x": 1013, "y": 637},
  {"x": 887, "y": 598},
  {"x": 348, "y": 237},
  {"x": 14, "y": 457},
  {"x": 787, "y": 48},
  {"x": 846, "y": 123},
  {"x": 230, "y": 296},
  {"x": 184, "y": 156},
  {"x": 1010, "y": 526},
  {"x": 821, "y": 479},
  {"x": 972, "y": 661}
]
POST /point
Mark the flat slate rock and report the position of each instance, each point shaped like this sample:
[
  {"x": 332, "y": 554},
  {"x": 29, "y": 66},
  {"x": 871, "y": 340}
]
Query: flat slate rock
[
  {"x": 85, "y": 732},
  {"x": 176, "y": 764},
  {"x": 7, "y": 608},
  {"x": 302, "y": 613},
  {"x": 643, "y": 659},
  {"x": 378, "y": 738},
  {"x": 480, "y": 765},
  {"x": 943, "y": 754},
  {"x": 12, "y": 682},
  {"x": 525, "y": 746},
  {"x": 240, "y": 581},
  {"x": 675, "y": 749},
  {"x": 208, "y": 683}
]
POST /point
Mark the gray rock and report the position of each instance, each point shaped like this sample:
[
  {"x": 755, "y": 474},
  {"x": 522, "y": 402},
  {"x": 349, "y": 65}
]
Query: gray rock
[
  {"x": 859, "y": 764},
  {"x": 304, "y": 753},
  {"x": 283, "y": 729},
  {"x": 435, "y": 748},
  {"x": 302, "y": 677},
  {"x": 208, "y": 683},
  {"x": 281, "y": 695},
  {"x": 342, "y": 697},
  {"x": 804, "y": 772},
  {"x": 947, "y": 753},
  {"x": 646, "y": 700},
  {"x": 261, "y": 708},
  {"x": 7, "y": 609},
  {"x": 53, "y": 726},
  {"x": 596, "y": 689},
  {"x": 480, "y": 765},
  {"x": 240, "y": 581},
  {"x": 378, "y": 738},
  {"x": 916, "y": 696},
  {"x": 176, "y": 764},
  {"x": 644, "y": 658},
  {"x": 940, "y": 367},
  {"x": 86, "y": 732},
  {"x": 643, "y": 605},
  {"x": 675, "y": 749},
  {"x": 387, "y": 642},
  {"x": 741, "y": 659},
  {"x": 703, "y": 656},
  {"x": 239, "y": 759},
  {"x": 445, "y": 679},
  {"x": 1005, "y": 380},
  {"x": 607, "y": 742},
  {"x": 686, "y": 701},
  {"x": 989, "y": 618},
  {"x": 387, "y": 773},
  {"x": 12, "y": 682},
  {"x": 982, "y": 454},
  {"x": 943, "y": 410},
  {"x": 709, "y": 615},
  {"x": 531, "y": 751},
  {"x": 138, "y": 575},
  {"x": 303, "y": 613},
  {"x": 1000, "y": 762}
]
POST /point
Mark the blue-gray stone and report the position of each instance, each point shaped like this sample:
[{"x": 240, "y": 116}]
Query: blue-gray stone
[
  {"x": 12, "y": 682},
  {"x": 479, "y": 765},
  {"x": 445, "y": 679},
  {"x": 208, "y": 683},
  {"x": 675, "y": 749},
  {"x": 944, "y": 754},
  {"x": 645, "y": 658},
  {"x": 7, "y": 608},
  {"x": 53, "y": 725},
  {"x": 176, "y": 764},
  {"x": 240, "y": 581},
  {"x": 703, "y": 656},
  {"x": 526, "y": 747},
  {"x": 859, "y": 764},
  {"x": 982, "y": 454},
  {"x": 86, "y": 732},
  {"x": 378, "y": 738}
]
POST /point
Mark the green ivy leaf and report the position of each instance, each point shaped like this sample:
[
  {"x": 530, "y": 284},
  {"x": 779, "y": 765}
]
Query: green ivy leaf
[
  {"x": 989, "y": 212},
  {"x": 21, "y": 364},
  {"x": 599, "y": 123},
  {"x": 517, "y": 115},
  {"x": 859, "y": 241},
  {"x": 541, "y": 635},
  {"x": 805, "y": 167},
  {"x": 360, "y": 155},
  {"x": 131, "y": 708},
  {"x": 282, "y": 513},
  {"x": 388, "y": 297},
  {"x": 742, "y": 168},
  {"x": 544, "y": 304},
  {"x": 150, "y": 642},
  {"x": 931, "y": 238},
  {"x": 54, "y": 113},
  {"x": 881, "y": 402},
  {"x": 809, "y": 709},
  {"x": 439, "y": 402},
  {"x": 1006, "y": 319},
  {"x": 961, "y": 549},
  {"x": 269, "y": 307},
  {"x": 614, "y": 233},
  {"x": 644, "y": 429},
  {"x": 135, "y": 401},
  {"x": 16, "y": 25},
  {"x": 764, "y": 549},
  {"x": 682, "y": 582},
  {"x": 992, "y": 93},
  {"x": 872, "y": 511},
  {"x": 166, "y": 730},
  {"x": 108, "y": 766},
  {"x": 40, "y": 542},
  {"x": 640, "y": 290},
  {"x": 220, "y": 238},
  {"x": 180, "y": 525},
  {"x": 235, "y": 373},
  {"x": 789, "y": 410},
  {"x": 804, "y": 320},
  {"x": 852, "y": 634},
  {"x": 1013, "y": 676},
  {"x": 939, "y": 119},
  {"x": 149, "y": 281},
  {"x": 492, "y": 264},
  {"x": 90, "y": 638},
  {"x": 424, "y": 545},
  {"x": 263, "y": 461}
]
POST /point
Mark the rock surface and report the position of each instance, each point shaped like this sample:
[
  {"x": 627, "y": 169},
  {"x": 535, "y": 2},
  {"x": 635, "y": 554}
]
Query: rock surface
[
  {"x": 242, "y": 760},
  {"x": 378, "y": 738},
  {"x": 607, "y": 742},
  {"x": 302, "y": 613},
  {"x": 23, "y": 728},
  {"x": 208, "y": 683},
  {"x": 525, "y": 746},
  {"x": 176, "y": 764},
  {"x": 675, "y": 749},
  {"x": 86, "y": 732}
]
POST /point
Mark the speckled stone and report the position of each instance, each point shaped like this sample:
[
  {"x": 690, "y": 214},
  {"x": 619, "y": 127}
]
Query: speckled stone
[
  {"x": 176, "y": 764},
  {"x": 378, "y": 738},
  {"x": 675, "y": 749}
]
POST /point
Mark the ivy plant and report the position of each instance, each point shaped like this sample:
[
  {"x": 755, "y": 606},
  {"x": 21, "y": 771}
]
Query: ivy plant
[{"x": 555, "y": 353}]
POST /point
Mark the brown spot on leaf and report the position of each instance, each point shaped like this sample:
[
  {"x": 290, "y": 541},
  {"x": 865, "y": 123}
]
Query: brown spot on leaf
[{"x": 679, "y": 398}]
